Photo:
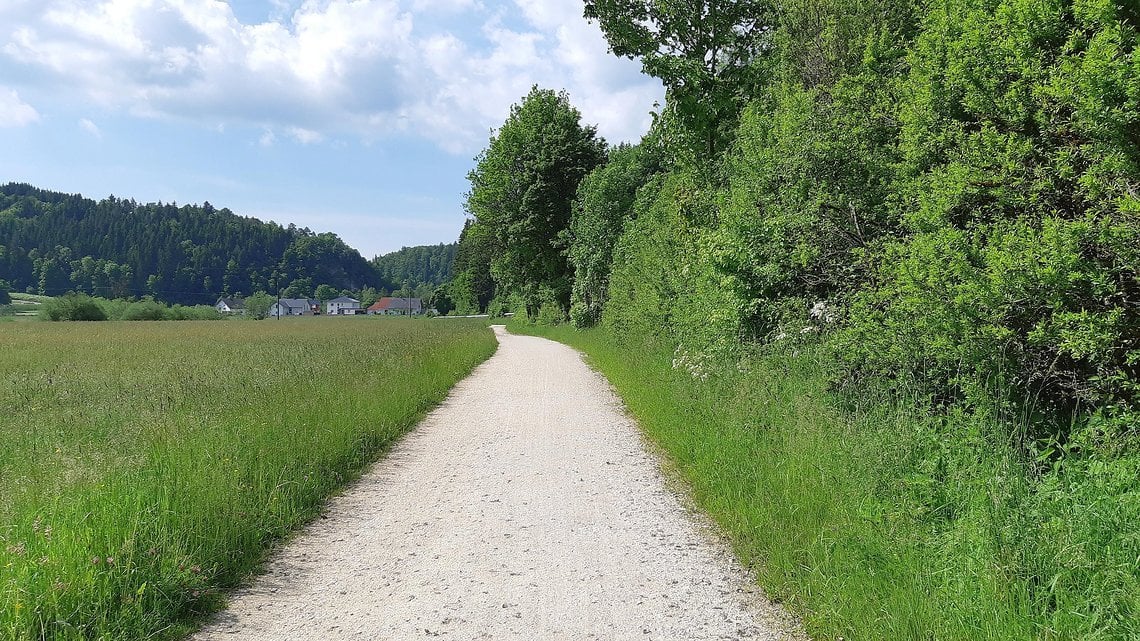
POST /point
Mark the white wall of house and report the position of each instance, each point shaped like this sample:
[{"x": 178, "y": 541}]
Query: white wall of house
[
  {"x": 335, "y": 309},
  {"x": 285, "y": 310}
]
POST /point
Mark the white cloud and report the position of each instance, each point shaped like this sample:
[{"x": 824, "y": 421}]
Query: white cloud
[
  {"x": 444, "y": 70},
  {"x": 305, "y": 136},
  {"x": 15, "y": 112},
  {"x": 90, "y": 127}
]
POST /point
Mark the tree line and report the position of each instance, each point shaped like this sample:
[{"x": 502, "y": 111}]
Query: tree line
[
  {"x": 53, "y": 243},
  {"x": 944, "y": 195},
  {"x": 956, "y": 183}
]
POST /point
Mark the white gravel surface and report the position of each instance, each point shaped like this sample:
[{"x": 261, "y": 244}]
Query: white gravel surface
[{"x": 525, "y": 507}]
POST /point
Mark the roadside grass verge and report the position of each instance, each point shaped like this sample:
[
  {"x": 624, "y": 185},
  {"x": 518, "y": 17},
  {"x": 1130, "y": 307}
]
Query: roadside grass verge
[
  {"x": 872, "y": 520},
  {"x": 146, "y": 468}
]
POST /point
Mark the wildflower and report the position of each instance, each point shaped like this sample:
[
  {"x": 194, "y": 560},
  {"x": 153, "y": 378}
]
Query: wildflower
[
  {"x": 822, "y": 312},
  {"x": 110, "y": 560},
  {"x": 807, "y": 330},
  {"x": 17, "y": 550}
]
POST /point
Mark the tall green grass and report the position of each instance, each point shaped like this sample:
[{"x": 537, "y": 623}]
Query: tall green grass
[
  {"x": 873, "y": 520},
  {"x": 145, "y": 468}
]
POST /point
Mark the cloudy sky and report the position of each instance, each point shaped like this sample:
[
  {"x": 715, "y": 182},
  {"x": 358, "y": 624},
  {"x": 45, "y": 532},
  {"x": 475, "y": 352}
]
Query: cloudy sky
[{"x": 359, "y": 117}]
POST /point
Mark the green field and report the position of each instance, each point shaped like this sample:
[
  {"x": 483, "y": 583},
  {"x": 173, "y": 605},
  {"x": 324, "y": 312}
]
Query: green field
[
  {"x": 23, "y": 307},
  {"x": 146, "y": 467}
]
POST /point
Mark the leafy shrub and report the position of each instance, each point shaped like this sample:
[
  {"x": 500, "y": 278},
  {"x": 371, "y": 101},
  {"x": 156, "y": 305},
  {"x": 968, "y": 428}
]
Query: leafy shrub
[
  {"x": 72, "y": 307},
  {"x": 145, "y": 310},
  {"x": 603, "y": 205},
  {"x": 192, "y": 312},
  {"x": 500, "y": 305},
  {"x": 663, "y": 285},
  {"x": 550, "y": 313},
  {"x": 1014, "y": 309}
]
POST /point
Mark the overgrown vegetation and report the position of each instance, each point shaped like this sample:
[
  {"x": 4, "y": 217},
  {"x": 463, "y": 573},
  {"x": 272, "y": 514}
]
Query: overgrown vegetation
[
  {"x": 920, "y": 228},
  {"x": 81, "y": 307},
  {"x": 144, "y": 469}
]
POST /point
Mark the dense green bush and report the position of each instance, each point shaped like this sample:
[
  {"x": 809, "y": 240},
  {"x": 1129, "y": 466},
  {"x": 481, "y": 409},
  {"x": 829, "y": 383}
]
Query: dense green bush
[
  {"x": 602, "y": 208},
  {"x": 145, "y": 310},
  {"x": 664, "y": 286},
  {"x": 1018, "y": 275},
  {"x": 72, "y": 307}
]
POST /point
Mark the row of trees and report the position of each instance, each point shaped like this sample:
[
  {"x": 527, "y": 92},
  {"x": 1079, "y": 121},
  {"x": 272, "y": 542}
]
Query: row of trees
[
  {"x": 944, "y": 194},
  {"x": 957, "y": 182}
]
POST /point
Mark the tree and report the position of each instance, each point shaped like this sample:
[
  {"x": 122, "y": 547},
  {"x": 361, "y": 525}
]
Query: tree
[
  {"x": 5, "y": 288},
  {"x": 441, "y": 301},
  {"x": 605, "y": 202},
  {"x": 472, "y": 287},
  {"x": 257, "y": 306},
  {"x": 368, "y": 295},
  {"x": 703, "y": 50},
  {"x": 521, "y": 190},
  {"x": 325, "y": 292}
]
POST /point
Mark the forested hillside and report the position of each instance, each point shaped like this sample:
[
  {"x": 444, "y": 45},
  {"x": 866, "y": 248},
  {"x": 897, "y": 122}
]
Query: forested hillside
[
  {"x": 415, "y": 266},
  {"x": 932, "y": 207},
  {"x": 52, "y": 243}
]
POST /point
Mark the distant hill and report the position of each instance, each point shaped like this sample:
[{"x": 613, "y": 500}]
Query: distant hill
[
  {"x": 51, "y": 243},
  {"x": 417, "y": 266}
]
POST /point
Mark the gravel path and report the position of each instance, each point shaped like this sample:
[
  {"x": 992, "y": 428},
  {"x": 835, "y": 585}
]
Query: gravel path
[{"x": 525, "y": 507}]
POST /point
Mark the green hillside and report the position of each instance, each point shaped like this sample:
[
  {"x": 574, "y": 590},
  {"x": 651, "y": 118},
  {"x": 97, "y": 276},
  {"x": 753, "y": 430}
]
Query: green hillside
[{"x": 52, "y": 243}]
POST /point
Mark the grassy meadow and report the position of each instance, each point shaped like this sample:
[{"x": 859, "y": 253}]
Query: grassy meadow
[
  {"x": 874, "y": 521},
  {"x": 146, "y": 467},
  {"x": 22, "y": 308}
]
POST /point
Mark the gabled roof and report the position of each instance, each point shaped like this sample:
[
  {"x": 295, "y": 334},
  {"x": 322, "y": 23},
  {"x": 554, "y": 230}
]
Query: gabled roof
[
  {"x": 344, "y": 299},
  {"x": 232, "y": 303},
  {"x": 388, "y": 302},
  {"x": 295, "y": 303}
]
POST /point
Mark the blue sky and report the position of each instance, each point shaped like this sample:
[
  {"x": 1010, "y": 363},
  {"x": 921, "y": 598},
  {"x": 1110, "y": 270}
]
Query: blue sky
[{"x": 359, "y": 117}]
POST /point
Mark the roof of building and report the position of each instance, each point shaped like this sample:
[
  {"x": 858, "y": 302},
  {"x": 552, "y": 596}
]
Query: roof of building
[
  {"x": 344, "y": 299},
  {"x": 388, "y": 302},
  {"x": 303, "y": 303},
  {"x": 232, "y": 303}
]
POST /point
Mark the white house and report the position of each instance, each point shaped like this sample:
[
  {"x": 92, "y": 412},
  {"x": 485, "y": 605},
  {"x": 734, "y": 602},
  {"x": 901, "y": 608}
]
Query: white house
[
  {"x": 230, "y": 306},
  {"x": 295, "y": 307},
  {"x": 343, "y": 306}
]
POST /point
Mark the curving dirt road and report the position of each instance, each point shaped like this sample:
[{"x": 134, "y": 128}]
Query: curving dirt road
[{"x": 525, "y": 507}]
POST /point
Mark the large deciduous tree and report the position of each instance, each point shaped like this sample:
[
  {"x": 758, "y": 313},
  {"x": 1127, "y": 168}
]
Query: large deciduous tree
[
  {"x": 521, "y": 191},
  {"x": 704, "y": 52}
]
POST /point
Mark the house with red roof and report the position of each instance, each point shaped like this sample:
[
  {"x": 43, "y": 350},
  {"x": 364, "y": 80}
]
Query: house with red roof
[{"x": 389, "y": 306}]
